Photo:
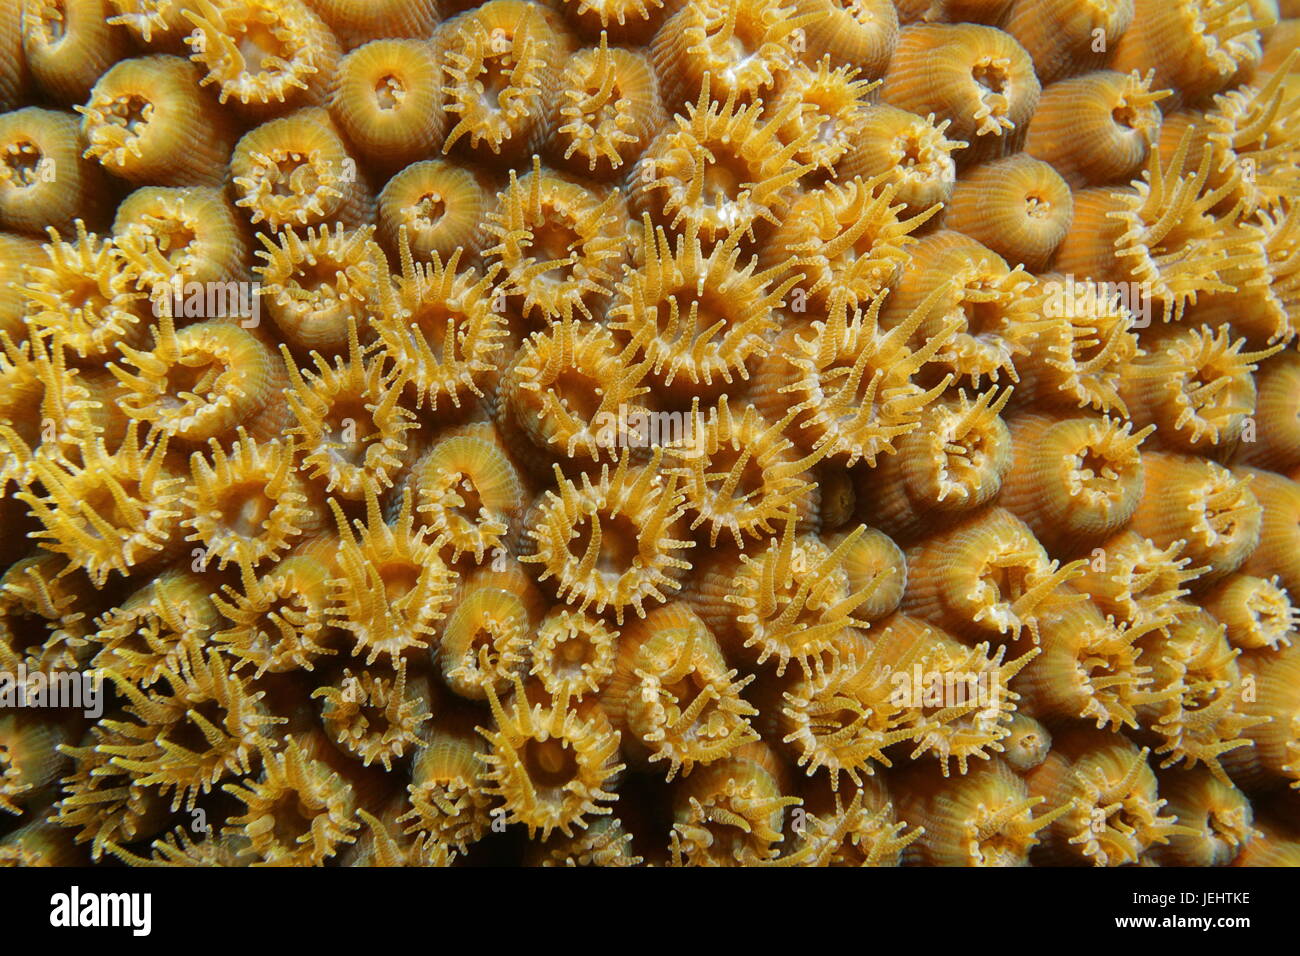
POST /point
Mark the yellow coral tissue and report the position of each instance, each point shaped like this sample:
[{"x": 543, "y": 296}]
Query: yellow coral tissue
[{"x": 650, "y": 432}]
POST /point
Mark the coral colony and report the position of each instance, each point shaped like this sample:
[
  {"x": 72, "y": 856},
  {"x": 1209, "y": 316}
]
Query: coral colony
[{"x": 664, "y": 432}]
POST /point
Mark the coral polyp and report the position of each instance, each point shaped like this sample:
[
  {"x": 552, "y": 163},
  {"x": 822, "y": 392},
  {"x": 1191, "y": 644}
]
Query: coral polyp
[
  {"x": 1113, "y": 809},
  {"x": 842, "y": 720},
  {"x": 574, "y": 653},
  {"x": 115, "y": 510},
  {"x": 1075, "y": 480},
  {"x": 732, "y": 812},
  {"x": 988, "y": 576},
  {"x": 954, "y": 462},
  {"x": 1096, "y": 128},
  {"x": 248, "y": 504},
  {"x": 740, "y": 472},
  {"x": 100, "y": 802},
  {"x": 67, "y": 44},
  {"x": 672, "y": 696},
  {"x": 1256, "y": 612},
  {"x": 724, "y": 168},
  {"x": 1202, "y": 504},
  {"x": 1198, "y": 710},
  {"x": 348, "y": 420},
  {"x": 483, "y": 644},
  {"x": 447, "y": 798},
  {"x": 297, "y": 171},
  {"x": 1221, "y": 814},
  {"x": 789, "y": 602},
  {"x": 37, "y": 375},
  {"x": 550, "y": 763},
  {"x": 559, "y": 243},
  {"x": 852, "y": 236},
  {"x": 962, "y": 297},
  {"x": 86, "y": 292},
  {"x": 263, "y": 55},
  {"x": 566, "y": 389},
  {"x": 468, "y": 494},
  {"x": 392, "y": 587},
  {"x": 913, "y": 151},
  {"x": 1160, "y": 231},
  {"x": 1080, "y": 360},
  {"x": 276, "y": 621},
  {"x": 976, "y": 76},
  {"x": 499, "y": 64},
  {"x": 1134, "y": 580},
  {"x": 375, "y": 714},
  {"x": 1195, "y": 46},
  {"x": 296, "y": 812},
  {"x": 172, "y": 237},
  {"x": 610, "y": 544},
  {"x": 1195, "y": 385},
  {"x": 851, "y": 380},
  {"x": 985, "y": 818},
  {"x": 315, "y": 283},
  {"x": 861, "y": 829},
  {"x": 44, "y": 617},
  {"x": 440, "y": 204},
  {"x": 610, "y": 112},
  {"x": 198, "y": 726},
  {"x": 199, "y": 383},
  {"x": 147, "y": 121},
  {"x": 45, "y": 182},
  {"x": 386, "y": 101},
  {"x": 1091, "y": 669},
  {"x": 154, "y": 628},
  {"x": 1019, "y": 207},
  {"x": 441, "y": 326},
  {"x": 700, "y": 320},
  {"x": 744, "y": 44}
]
